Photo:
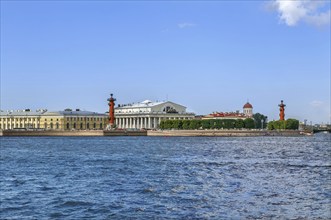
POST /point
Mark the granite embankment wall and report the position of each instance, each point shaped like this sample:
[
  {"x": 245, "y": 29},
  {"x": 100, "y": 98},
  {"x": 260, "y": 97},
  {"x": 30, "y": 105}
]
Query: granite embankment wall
[
  {"x": 52, "y": 133},
  {"x": 73, "y": 133},
  {"x": 221, "y": 133},
  {"x": 125, "y": 133},
  {"x": 179, "y": 133}
]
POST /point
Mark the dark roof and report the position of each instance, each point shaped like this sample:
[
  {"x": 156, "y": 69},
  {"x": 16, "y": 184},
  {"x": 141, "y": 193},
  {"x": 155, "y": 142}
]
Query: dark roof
[{"x": 248, "y": 105}]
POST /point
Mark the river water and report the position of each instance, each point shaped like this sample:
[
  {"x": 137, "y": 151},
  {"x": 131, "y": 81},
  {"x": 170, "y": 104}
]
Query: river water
[{"x": 165, "y": 177}]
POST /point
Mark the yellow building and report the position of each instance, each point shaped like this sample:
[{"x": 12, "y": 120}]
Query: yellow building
[{"x": 58, "y": 120}]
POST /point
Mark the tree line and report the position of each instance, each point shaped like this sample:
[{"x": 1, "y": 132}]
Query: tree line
[
  {"x": 207, "y": 124},
  {"x": 258, "y": 121},
  {"x": 289, "y": 124}
]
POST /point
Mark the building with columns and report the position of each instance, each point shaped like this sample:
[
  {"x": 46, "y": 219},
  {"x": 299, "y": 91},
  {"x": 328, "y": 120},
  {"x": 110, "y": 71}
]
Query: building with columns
[
  {"x": 55, "y": 120},
  {"x": 148, "y": 114}
]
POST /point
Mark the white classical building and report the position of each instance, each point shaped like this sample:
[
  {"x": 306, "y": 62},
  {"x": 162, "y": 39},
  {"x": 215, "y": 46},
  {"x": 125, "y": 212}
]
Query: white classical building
[{"x": 148, "y": 114}]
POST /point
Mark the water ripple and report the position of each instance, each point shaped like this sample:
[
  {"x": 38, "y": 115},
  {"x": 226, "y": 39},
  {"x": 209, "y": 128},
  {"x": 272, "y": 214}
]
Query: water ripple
[{"x": 165, "y": 178}]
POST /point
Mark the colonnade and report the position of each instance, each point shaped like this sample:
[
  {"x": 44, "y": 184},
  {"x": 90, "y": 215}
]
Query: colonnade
[
  {"x": 13, "y": 122},
  {"x": 139, "y": 122}
]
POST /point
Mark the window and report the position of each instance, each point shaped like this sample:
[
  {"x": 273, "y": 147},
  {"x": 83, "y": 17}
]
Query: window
[
  {"x": 94, "y": 125},
  {"x": 68, "y": 126},
  {"x": 57, "y": 125},
  {"x": 88, "y": 126},
  {"x": 51, "y": 125},
  {"x": 45, "y": 125},
  {"x": 74, "y": 125},
  {"x": 101, "y": 126},
  {"x": 81, "y": 125}
]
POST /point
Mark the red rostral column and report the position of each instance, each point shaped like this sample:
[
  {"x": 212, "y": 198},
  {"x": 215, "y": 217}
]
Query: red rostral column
[
  {"x": 281, "y": 111},
  {"x": 111, "y": 110}
]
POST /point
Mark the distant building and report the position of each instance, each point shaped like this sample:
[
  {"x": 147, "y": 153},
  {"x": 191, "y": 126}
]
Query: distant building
[
  {"x": 248, "y": 110},
  {"x": 57, "y": 120},
  {"x": 247, "y": 113},
  {"x": 148, "y": 114}
]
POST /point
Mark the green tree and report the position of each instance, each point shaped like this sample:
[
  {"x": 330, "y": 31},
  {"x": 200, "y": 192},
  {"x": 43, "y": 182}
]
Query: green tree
[
  {"x": 206, "y": 124},
  {"x": 168, "y": 124},
  {"x": 229, "y": 123},
  {"x": 240, "y": 123},
  {"x": 258, "y": 118},
  {"x": 249, "y": 123},
  {"x": 161, "y": 126},
  {"x": 194, "y": 124},
  {"x": 216, "y": 124},
  {"x": 271, "y": 125},
  {"x": 292, "y": 124},
  {"x": 186, "y": 124},
  {"x": 279, "y": 125},
  {"x": 177, "y": 124}
]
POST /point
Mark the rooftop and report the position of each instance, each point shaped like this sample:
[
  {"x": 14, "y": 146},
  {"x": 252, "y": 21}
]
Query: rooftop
[
  {"x": 143, "y": 104},
  {"x": 45, "y": 112}
]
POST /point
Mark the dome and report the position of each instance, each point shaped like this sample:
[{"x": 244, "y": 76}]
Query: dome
[{"x": 248, "y": 105}]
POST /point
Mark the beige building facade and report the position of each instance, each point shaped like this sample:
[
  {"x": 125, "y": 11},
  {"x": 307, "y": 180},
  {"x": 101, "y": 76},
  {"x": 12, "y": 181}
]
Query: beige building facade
[{"x": 57, "y": 120}]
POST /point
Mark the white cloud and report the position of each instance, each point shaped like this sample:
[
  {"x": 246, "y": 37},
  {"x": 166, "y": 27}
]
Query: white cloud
[
  {"x": 186, "y": 25},
  {"x": 316, "y": 103},
  {"x": 292, "y": 12},
  {"x": 320, "y": 19}
]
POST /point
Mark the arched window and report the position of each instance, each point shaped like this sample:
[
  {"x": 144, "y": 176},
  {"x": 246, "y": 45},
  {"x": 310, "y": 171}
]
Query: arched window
[
  {"x": 88, "y": 126},
  {"x": 74, "y": 125},
  {"x": 81, "y": 125},
  {"x": 57, "y": 125},
  {"x": 101, "y": 126},
  {"x": 68, "y": 126},
  {"x": 51, "y": 125},
  {"x": 94, "y": 125}
]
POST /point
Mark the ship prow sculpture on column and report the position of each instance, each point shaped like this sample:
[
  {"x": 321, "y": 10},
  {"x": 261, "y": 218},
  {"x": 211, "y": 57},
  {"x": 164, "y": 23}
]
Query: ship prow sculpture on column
[{"x": 111, "y": 103}]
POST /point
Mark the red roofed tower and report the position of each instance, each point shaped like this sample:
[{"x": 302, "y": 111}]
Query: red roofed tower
[
  {"x": 281, "y": 111},
  {"x": 111, "y": 109},
  {"x": 248, "y": 109}
]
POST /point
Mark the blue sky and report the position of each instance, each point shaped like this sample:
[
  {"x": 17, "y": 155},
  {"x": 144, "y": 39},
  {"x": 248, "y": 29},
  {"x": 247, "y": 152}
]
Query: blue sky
[{"x": 208, "y": 56}]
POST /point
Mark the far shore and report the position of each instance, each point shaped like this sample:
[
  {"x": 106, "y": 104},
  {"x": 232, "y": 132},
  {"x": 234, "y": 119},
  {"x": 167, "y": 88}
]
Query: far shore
[{"x": 177, "y": 133}]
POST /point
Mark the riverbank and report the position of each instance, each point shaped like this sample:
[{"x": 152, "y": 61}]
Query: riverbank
[
  {"x": 77, "y": 133},
  {"x": 177, "y": 133},
  {"x": 222, "y": 133}
]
